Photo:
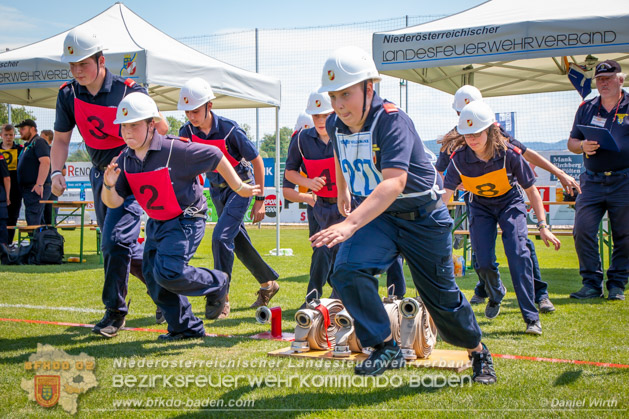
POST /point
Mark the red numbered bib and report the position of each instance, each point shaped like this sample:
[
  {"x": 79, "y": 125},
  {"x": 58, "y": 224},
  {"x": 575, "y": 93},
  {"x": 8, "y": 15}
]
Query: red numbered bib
[
  {"x": 154, "y": 192},
  {"x": 220, "y": 144},
  {"x": 323, "y": 168},
  {"x": 96, "y": 125}
]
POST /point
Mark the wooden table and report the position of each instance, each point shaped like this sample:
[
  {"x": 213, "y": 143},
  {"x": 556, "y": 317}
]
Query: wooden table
[{"x": 76, "y": 206}]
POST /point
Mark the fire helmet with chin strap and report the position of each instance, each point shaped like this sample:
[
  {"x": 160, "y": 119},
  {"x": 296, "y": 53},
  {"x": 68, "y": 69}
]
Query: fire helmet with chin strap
[
  {"x": 195, "y": 93},
  {"x": 135, "y": 107},
  {"x": 80, "y": 44},
  {"x": 475, "y": 117},
  {"x": 346, "y": 67},
  {"x": 318, "y": 104}
]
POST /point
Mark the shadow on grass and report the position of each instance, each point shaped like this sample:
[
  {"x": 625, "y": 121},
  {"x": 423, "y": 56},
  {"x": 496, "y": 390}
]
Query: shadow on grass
[
  {"x": 299, "y": 403},
  {"x": 83, "y": 340},
  {"x": 64, "y": 267},
  {"x": 568, "y": 377},
  {"x": 300, "y": 279}
]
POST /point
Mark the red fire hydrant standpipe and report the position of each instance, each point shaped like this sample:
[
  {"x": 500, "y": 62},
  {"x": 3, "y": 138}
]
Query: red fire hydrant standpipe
[{"x": 274, "y": 316}]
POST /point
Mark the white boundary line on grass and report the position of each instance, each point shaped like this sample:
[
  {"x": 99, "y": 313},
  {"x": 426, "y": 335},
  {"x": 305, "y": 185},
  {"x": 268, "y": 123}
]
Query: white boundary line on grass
[{"x": 75, "y": 309}]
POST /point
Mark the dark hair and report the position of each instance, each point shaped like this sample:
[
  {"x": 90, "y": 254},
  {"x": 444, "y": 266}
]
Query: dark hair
[
  {"x": 8, "y": 127},
  {"x": 48, "y": 132},
  {"x": 97, "y": 56}
]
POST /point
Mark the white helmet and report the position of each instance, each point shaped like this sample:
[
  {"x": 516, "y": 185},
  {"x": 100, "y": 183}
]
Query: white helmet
[
  {"x": 318, "y": 103},
  {"x": 304, "y": 121},
  {"x": 194, "y": 93},
  {"x": 135, "y": 107},
  {"x": 80, "y": 44},
  {"x": 475, "y": 117},
  {"x": 346, "y": 67},
  {"x": 464, "y": 96}
]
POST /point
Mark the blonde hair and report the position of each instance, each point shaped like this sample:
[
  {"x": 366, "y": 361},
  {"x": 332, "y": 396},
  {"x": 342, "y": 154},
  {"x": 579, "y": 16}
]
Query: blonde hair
[{"x": 496, "y": 142}]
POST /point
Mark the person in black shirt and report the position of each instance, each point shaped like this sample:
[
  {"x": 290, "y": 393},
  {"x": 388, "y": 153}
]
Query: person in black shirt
[{"x": 33, "y": 172}]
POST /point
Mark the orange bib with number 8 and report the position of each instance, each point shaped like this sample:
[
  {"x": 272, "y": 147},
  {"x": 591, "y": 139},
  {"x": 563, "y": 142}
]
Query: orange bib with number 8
[{"x": 489, "y": 185}]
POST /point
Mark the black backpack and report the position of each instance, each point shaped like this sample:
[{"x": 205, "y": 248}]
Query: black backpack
[{"x": 47, "y": 247}]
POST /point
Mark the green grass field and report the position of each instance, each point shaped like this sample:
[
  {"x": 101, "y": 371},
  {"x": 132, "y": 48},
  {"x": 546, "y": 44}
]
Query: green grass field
[{"x": 588, "y": 331}]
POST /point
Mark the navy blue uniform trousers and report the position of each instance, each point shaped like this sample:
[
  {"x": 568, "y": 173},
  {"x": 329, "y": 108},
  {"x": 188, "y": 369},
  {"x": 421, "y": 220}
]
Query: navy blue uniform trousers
[
  {"x": 122, "y": 253},
  {"x": 230, "y": 236},
  {"x": 322, "y": 263},
  {"x": 602, "y": 193},
  {"x": 540, "y": 287},
  {"x": 510, "y": 213},
  {"x": 426, "y": 244},
  {"x": 168, "y": 248}
]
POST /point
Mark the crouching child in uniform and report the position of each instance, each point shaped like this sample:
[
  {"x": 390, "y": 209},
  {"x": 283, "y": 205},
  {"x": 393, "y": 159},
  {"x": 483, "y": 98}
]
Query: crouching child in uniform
[{"x": 162, "y": 173}]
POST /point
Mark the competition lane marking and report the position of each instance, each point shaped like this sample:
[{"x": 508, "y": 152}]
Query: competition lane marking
[
  {"x": 503, "y": 356},
  {"x": 74, "y": 309},
  {"x": 560, "y": 361}
]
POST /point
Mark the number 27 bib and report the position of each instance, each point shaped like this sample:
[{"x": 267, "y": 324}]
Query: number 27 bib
[{"x": 356, "y": 157}]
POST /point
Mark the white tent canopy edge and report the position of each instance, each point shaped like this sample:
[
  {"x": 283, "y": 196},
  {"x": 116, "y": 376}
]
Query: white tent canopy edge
[{"x": 505, "y": 47}]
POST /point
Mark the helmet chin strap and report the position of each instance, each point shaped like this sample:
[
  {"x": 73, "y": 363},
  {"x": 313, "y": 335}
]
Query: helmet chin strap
[
  {"x": 146, "y": 137},
  {"x": 364, "y": 99}
]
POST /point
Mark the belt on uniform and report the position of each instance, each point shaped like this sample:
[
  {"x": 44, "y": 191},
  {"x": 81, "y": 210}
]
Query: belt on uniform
[
  {"x": 607, "y": 173},
  {"x": 225, "y": 185},
  {"x": 327, "y": 200},
  {"x": 196, "y": 215},
  {"x": 418, "y": 213}
]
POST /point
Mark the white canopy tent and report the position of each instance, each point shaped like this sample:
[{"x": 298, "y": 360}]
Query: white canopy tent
[
  {"x": 31, "y": 75},
  {"x": 505, "y": 47}
]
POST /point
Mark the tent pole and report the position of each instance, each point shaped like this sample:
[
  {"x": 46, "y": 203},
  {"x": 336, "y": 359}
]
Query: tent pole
[
  {"x": 257, "y": 109},
  {"x": 10, "y": 120},
  {"x": 277, "y": 180}
]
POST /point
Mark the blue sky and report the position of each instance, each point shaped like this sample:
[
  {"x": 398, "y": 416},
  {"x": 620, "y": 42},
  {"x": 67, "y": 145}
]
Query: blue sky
[{"x": 29, "y": 21}]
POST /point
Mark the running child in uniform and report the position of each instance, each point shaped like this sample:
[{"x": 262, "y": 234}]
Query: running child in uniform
[
  {"x": 313, "y": 151},
  {"x": 89, "y": 102},
  {"x": 466, "y": 95},
  {"x": 162, "y": 172},
  {"x": 491, "y": 169},
  {"x": 229, "y": 235},
  {"x": 381, "y": 162}
]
